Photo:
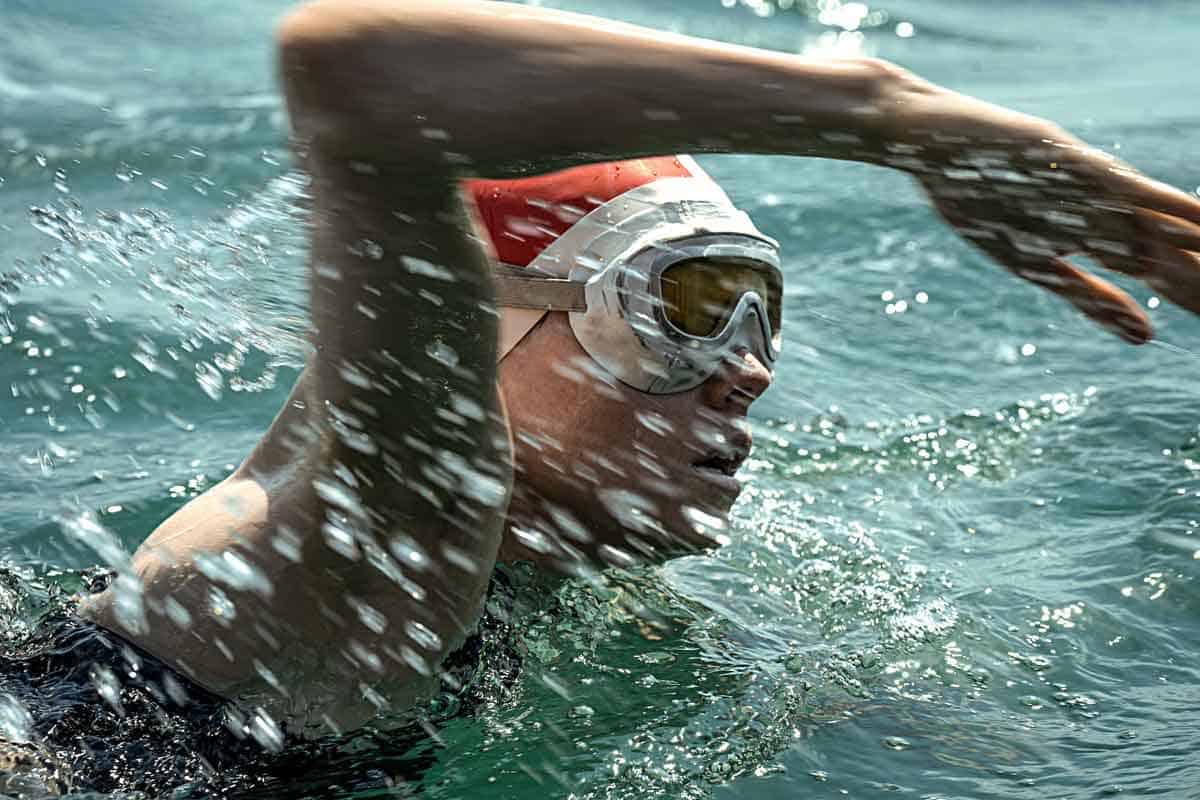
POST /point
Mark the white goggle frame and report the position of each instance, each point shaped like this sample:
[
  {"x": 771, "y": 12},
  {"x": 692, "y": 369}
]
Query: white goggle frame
[{"x": 605, "y": 272}]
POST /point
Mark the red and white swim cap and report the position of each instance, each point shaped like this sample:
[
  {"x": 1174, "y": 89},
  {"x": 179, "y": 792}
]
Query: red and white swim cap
[
  {"x": 522, "y": 217},
  {"x": 595, "y": 241}
]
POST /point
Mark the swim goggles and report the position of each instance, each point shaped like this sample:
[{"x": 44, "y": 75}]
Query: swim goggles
[{"x": 661, "y": 285}]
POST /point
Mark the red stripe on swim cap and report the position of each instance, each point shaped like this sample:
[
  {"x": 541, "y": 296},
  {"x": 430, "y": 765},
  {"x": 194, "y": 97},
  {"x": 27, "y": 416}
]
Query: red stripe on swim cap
[{"x": 523, "y": 216}]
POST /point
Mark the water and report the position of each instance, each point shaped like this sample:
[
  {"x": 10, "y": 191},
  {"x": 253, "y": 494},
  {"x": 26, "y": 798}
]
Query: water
[{"x": 965, "y": 564}]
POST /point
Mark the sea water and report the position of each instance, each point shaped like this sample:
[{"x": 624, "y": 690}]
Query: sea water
[{"x": 965, "y": 563}]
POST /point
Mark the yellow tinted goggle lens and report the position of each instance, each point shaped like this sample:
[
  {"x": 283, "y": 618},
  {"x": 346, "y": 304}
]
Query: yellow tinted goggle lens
[{"x": 700, "y": 294}]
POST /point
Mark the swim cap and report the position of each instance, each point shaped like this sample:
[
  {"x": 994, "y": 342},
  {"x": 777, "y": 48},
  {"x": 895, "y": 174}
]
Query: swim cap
[{"x": 522, "y": 217}]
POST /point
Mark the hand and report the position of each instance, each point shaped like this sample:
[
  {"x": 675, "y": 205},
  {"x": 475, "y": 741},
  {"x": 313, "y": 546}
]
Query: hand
[{"x": 1028, "y": 194}]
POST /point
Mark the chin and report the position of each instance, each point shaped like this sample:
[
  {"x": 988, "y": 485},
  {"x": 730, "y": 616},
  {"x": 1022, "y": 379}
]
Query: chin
[{"x": 696, "y": 527}]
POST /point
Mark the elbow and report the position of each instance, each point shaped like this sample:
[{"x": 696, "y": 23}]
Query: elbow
[
  {"x": 347, "y": 71},
  {"x": 321, "y": 26},
  {"x": 315, "y": 45}
]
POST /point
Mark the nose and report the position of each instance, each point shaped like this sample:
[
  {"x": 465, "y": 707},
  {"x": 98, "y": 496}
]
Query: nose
[{"x": 737, "y": 383}]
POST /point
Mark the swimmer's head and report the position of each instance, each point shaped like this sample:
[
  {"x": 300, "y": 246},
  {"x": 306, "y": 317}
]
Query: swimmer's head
[
  {"x": 602, "y": 466},
  {"x": 524, "y": 218}
]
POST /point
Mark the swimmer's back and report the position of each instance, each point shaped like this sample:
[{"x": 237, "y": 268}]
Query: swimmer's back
[{"x": 105, "y": 716}]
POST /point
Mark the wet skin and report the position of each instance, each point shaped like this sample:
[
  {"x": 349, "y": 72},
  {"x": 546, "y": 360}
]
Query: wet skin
[{"x": 589, "y": 450}]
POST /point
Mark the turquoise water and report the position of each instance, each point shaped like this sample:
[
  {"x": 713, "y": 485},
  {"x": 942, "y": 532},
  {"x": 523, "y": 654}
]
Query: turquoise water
[{"x": 965, "y": 564}]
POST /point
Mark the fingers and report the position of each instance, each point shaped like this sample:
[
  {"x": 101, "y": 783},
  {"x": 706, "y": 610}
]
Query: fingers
[
  {"x": 1165, "y": 258},
  {"x": 1172, "y": 230},
  {"x": 1131, "y": 186},
  {"x": 1098, "y": 299},
  {"x": 1168, "y": 270},
  {"x": 1160, "y": 197}
]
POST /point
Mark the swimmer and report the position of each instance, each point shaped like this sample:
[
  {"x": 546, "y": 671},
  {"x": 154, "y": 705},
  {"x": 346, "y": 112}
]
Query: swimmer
[{"x": 536, "y": 332}]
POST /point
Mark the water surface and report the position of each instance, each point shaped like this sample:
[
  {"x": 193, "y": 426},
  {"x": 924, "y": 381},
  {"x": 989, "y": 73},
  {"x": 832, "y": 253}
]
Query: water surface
[{"x": 965, "y": 564}]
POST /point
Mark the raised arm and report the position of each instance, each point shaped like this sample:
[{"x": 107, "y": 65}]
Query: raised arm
[{"x": 498, "y": 89}]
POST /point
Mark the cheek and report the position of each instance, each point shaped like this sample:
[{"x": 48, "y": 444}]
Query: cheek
[
  {"x": 662, "y": 423},
  {"x": 640, "y": 436},
  {"x": 557, "y": 423}
]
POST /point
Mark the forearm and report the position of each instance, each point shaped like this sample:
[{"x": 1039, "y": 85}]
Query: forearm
[{"x": 496, "y": 89}]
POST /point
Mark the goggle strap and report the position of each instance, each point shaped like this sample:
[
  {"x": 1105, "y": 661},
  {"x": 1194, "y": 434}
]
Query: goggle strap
[{"x": 516, "y": 288}]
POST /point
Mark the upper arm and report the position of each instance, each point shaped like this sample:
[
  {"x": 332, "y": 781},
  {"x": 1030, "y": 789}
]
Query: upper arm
[
  {"x": 383, "y": 482},
  {"x": 400, "y": 387},
  {"x": 392, "y": 444},
  {"x": 400, "y": 288}
]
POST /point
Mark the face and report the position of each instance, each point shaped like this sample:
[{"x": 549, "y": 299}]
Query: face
[{"x": 613, "y": 471}]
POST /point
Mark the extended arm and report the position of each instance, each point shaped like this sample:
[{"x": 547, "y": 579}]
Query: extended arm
[{"x": 497, "y": 89}]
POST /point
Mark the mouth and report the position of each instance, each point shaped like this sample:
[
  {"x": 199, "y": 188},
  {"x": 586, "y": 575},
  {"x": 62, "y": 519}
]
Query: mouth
[
  {"x": 725, "y": 463},
  {"x": 727, "y": 449}
]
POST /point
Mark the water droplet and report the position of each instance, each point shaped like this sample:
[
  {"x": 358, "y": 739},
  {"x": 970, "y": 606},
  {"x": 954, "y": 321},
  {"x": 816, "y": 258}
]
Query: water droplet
[
  {"x": 177, "y": 613},
  {"x": 371, "y": 617},
  {"x": 365, "y": 248},
  {"x": 419, "y": 266},
  {"x": 654, "y": 422},
  {"x": 220, "y": 606},
  {"x": 264, "y": 730},
  {"x": 355, "y": 376},
  {"x": 707, "y": 525},
  {"x": 442, "y": 353},
  {"x": 87, "y": 529},
  {"x": 233, "y": 570},
  {"x": 466, "y": 407},
  {"x": 16, "y": 722},
  {"x": 657, "y": 657},
  {"x": 328, "y": 272},
  {"x": 423, "y": 636},
  {"x": 108, "y": 686}
]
